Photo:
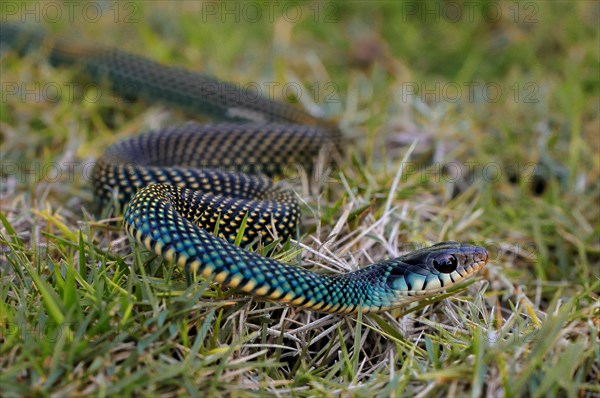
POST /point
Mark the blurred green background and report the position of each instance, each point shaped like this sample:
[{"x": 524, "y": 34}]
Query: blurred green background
[{"x": 510, "y": 88}]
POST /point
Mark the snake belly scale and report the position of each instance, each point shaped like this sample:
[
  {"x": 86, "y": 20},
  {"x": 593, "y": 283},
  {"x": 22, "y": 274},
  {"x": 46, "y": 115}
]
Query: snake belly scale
[{"x": 177, "y": 185}]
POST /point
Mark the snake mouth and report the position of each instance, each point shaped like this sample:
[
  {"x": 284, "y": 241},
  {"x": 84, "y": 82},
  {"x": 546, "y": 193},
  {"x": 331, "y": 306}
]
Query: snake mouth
[{"x": 479, "y": 260}]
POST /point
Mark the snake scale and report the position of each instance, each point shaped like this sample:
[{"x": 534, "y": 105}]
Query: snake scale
[{"x": 177, "y": 186}]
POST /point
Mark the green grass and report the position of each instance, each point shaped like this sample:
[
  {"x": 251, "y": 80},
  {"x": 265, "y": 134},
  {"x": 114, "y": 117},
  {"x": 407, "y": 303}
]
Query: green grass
[{"x": 83, "y": 311}]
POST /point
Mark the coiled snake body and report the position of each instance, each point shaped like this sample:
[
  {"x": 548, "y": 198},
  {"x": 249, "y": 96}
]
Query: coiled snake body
[{"x": 173, "y": 195}]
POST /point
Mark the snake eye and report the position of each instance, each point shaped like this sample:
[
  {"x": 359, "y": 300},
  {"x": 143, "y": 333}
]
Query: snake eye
[{"x": 446, "y": 264}]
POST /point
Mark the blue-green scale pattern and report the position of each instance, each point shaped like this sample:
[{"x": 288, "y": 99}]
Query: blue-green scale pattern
[{"x": 164, "y": 213}]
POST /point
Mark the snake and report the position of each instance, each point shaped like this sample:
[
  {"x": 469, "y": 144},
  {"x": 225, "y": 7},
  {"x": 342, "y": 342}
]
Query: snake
[{"x": 202, "y": 195}]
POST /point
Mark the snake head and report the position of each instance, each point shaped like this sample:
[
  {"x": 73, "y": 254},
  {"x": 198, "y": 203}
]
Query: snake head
[{"x": 434, "y": 268}]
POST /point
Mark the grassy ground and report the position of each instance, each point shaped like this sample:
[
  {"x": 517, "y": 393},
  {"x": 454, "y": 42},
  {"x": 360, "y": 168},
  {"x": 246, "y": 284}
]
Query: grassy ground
[{"x": 503, "y": 105}]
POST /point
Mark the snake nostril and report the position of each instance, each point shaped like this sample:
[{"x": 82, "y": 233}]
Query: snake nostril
[{"x": 482, "y": 256}]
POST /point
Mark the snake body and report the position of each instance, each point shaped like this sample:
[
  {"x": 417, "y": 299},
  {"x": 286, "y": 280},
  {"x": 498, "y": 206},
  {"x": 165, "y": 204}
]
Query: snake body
[{"x": 177, "y": 186}]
